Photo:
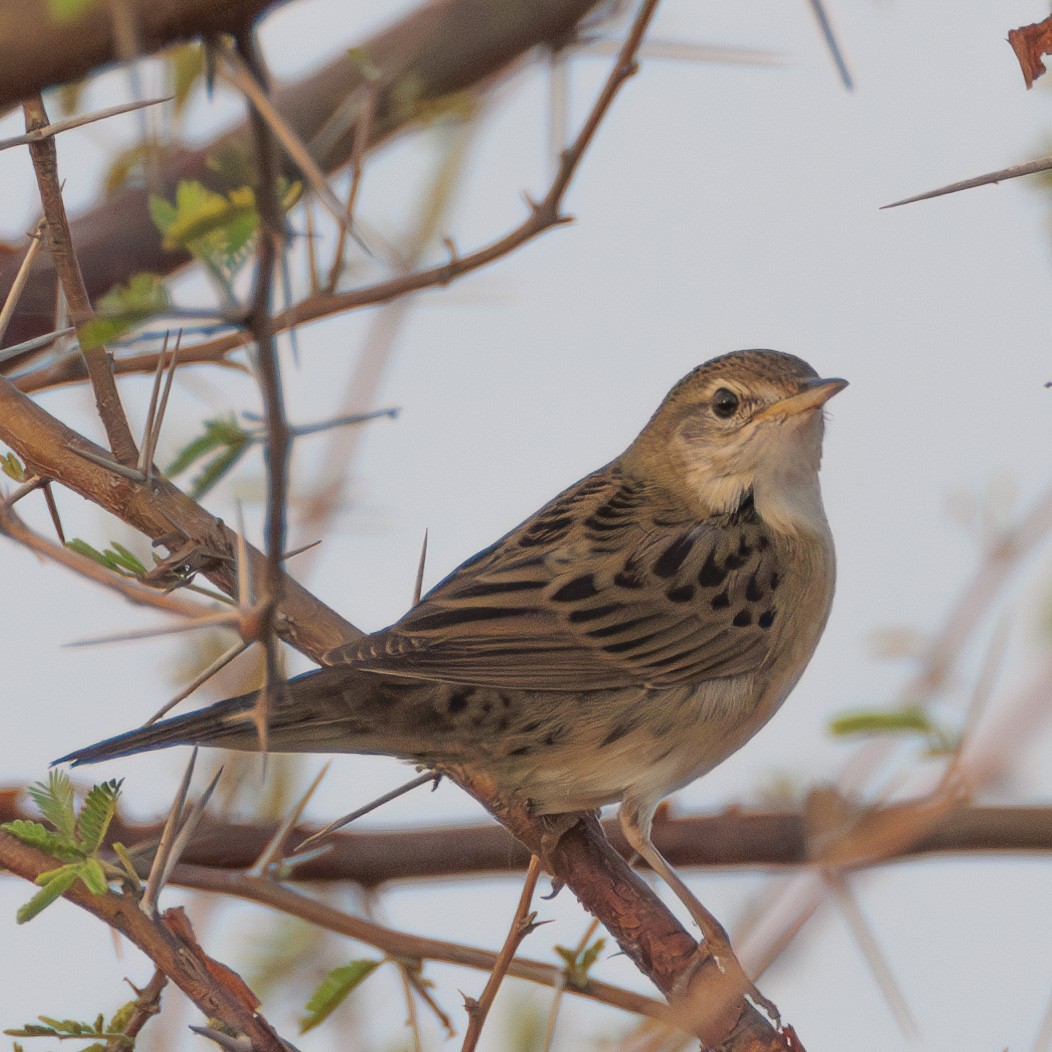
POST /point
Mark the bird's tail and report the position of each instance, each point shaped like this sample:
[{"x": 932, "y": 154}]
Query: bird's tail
[
  {"x": 205, "y": 727},
  {"x": 327, "y": 710}
]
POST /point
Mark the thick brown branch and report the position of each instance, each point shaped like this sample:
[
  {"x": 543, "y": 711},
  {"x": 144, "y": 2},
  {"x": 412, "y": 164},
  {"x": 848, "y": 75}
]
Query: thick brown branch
[
  {"x": 210, "y": 985},
  {"x": 764, "y": 840},
  {"x": 38, "y": 50}
]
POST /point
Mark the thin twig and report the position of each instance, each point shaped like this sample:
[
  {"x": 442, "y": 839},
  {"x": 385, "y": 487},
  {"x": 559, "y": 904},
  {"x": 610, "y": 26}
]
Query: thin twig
[
  {"x": 237, "y": 73},
  {"x": 36, "y": 240},
  {"x": 370, "y": 94},
  {"x": 279, "y": 438},
  {"x": 16, "y": 350},
  {"x": 871, "y": 951},
  {"x": 97, "y": 361},
  {"x": 220, "y": 662},
  {"x": 522, "y": 924},
  {"x": 271, "y": 854},
  {"x": 1042, "y": 164},
  {"x": 148, "y": 902},
  {"x": 386, "y": 798},
  {"x": 825, "y": 27},
  {"x": 39, "y": 134}
]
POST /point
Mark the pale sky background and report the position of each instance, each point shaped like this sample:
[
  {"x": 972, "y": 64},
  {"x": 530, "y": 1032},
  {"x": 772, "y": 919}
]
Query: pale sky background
[{"x": 721, "y": 207}]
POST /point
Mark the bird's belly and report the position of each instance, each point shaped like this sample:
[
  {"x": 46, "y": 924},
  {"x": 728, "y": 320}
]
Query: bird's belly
[{"x": 600, "y": 747}]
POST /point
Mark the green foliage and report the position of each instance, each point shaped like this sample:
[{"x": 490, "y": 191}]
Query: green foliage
[
  {"x": 216, "y": 229},
  {"x": 13, "y": 468},
  {"x": 116, "y": 557},
  {"x": 186, "y": 66},
  {"x": 66, "y": 1029},
  {"x": 68, "y": 10},
  {"x": 333, "y": 989},
  {"x": 910, "y": 720},
  {"x": 122, "y": 308},
  {"x": 580, "y": 962},
  {"x": 223, "y": 437},
  {"x": 75, "y": 840}
]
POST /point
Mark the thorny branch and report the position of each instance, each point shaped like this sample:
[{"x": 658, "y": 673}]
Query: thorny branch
[
  {"x": 168, "y": 941},
  {"x": 97, "y": 361}
]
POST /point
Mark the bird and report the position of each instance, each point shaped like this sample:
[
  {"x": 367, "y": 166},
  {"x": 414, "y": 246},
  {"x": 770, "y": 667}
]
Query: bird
[{"x": 616, "y": 645}]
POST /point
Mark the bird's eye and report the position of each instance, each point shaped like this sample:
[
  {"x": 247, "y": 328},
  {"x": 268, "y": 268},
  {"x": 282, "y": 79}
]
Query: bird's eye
[{"x": 725, "y": 403}]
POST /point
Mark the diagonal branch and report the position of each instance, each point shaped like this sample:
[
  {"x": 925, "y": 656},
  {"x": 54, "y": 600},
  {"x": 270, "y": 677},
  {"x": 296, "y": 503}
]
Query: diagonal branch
[
  {"x": 169, "y": 943},
  {"x": 63, "y": 253}
]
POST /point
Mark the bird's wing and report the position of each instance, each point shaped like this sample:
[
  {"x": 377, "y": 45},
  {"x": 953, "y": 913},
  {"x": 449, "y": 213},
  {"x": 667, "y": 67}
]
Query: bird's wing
[{"x": 600, "y": 589}]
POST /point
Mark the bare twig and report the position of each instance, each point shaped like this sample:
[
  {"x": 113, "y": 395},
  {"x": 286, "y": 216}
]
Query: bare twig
[
  {"x": 1042, "y": 164},
  {"x": 386, "y": 798},
  {"x": 825, "y": 27},
  {"x": 39, "y": 134},
  {"x": 236, "y": 72},
  {"x": 97, "y": 361},
  {"x": 36, "y": 240},
  {"x": 871, "y": 951}
]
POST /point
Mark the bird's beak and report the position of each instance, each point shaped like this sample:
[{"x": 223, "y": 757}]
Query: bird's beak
[{"x": 812, "y": 395}]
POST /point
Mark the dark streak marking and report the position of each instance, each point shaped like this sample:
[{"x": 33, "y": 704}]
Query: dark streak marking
[
  {"x": 579, "y": 588},
  {"x": 672, "y": 558},
  {"x": 721, "y": 601}
]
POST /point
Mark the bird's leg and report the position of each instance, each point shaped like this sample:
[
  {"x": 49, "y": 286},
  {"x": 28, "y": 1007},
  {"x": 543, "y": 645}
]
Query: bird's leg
[{"x": 636, "y": 826}]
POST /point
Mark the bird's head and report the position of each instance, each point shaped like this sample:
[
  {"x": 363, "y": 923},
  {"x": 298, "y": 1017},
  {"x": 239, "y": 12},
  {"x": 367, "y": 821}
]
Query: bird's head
[{"x": 747, "y": 422}]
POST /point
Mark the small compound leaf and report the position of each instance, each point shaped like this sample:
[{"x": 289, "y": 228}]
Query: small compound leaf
[
  {"x": 38, "y": 836},
  {"x": 100, "y": 805},
  {"x": 218, "y": 433},
  {"x": 54, "y": 800},
  {"x": 122, "y": 308}
]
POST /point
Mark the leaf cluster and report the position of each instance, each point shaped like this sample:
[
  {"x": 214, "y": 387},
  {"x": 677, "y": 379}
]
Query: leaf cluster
[
  {"x": 75, "y": 838},
  {"x": 116, "y": 1040}
]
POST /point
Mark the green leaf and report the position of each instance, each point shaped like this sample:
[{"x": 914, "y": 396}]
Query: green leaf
[
  {"x": 213, "y": 227},
  {"x": 94, "y": 876},
  {"x": 68, "y": 10},
  {"x": 907, "y": 720},
  {"x": 55, "y": 802},
  {"x": 100, "y": 805},
  {"x": 126, "y": 559},
  {"x": 214, "y": 470},
  {"x": 54, "y": 889},
  {"x": 186, "y": 65},
  {"x": 120, "y": 1019},
  {"x": 220, "y": 432},
  {"x": 580, "y": 962},
  {"x": 127, "y": 863},
  {"x": 13, "y": 468},
  {"x": 332, "y": 990},
  {"x": 124, "y": 307},
  {"x": 36, "y": 835},
  {"x": 83, "y": 548}
]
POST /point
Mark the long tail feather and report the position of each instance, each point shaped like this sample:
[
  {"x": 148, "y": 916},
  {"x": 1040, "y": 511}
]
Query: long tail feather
[
  {"x": 334, "y": 709},
  {"x": 207, "y": 726}
]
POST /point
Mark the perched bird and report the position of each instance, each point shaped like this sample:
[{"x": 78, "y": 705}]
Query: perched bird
[{"x": 618, "y": 644}]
